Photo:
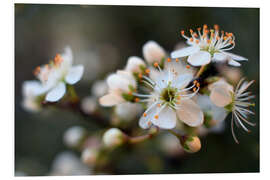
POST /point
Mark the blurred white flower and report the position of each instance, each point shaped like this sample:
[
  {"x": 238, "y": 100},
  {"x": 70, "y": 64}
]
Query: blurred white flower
[
  {"x": 236, "y": 101},
  {"x": 218, "y": 114},
  {"x": 73, "y": 136},
  {"x": 89, "y": 156},
  {"x": 99, "y": 88},
  {"x": 67, "y": 163},
  {"x": 128, "y": 111},
  {"x": 89, "y": 105},
  {"x": 205, "y": 47},
  {"x": 153, "y": 52},
  {"x": 232, "y": 74},
  {"x": 171, "y": 145},
  {"x": 120, "y": 84},
  {"x": 113, "y": 137},
  {"x": 31, "y": 91},
  {"x": 57, "y": 73},
  {"x": 135, "y": 64},
  {"x": 170, "y": 99}
]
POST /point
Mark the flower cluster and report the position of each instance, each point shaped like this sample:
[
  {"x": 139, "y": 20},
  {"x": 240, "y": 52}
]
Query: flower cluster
[{"x": 175, "y": 92}]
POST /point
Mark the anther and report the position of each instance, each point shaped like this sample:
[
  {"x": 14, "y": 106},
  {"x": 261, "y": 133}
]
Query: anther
[
  {"x": 140, "y": 75},
  {"x": 187, "y": 66},
  {"x": 156, "y": 116},
  {"x": 144, "y": 114},
  {"x": 191, "y": 39},
  {"x": 191, "y": 31},
  {"x": 147, "y": 71},
  {"x": 197, "y": 41},
  {"x": 37, "y": 70},
  {"x": 216, "y": 27},
  {"x": 208, "y": 41},
  {"x": 183, "y": 32},
  {"x": 156, "y": 64},
  {"x": 204, "y": 26},
  {"x": 169, "y": 59},
  {"x": 177, "y": 60},
  {"x": 194, "y": 89},
  {"x": 158, "y": 105},
  {"x": 137, "y": 99}
]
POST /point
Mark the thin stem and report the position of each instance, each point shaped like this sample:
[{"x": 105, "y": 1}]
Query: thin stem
[
  {"x": 200, "y": 71},
  {"x": 133, "y": 140}
]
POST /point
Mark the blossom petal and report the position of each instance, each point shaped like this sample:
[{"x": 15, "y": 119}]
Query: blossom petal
[
  {"x": 200, "y": 58},
  {"x": 185, "y": 52},
  {"x": 74, "y": 74},
  {"x": 235, "y": 57},
  {"x": 190, "y": 113},
  {"x": 67, "y": 55},
  {"x": 166, "y": 118},
  {"x": 111, "y": 99},
  {"x": 56, "y": 93},
  {"x": 182, "y": 81},
  {"x": 219, "y": 57},
  {"x": 234, "y": 63},
  {"x": 32, "y": 88},
  {"x": 220, "y": 95},
  {"x": 152, "y": 52}
]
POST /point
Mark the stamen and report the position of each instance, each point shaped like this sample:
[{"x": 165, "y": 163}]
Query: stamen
[
  {"x": 187, "y": 66},
  {"x": 144, "y": 114},
  {"x": 147, "y": 71},
  {"x": 137, "y": 99},
  {"x": 197, "y": 41},
  {"x": 183, "y": 32},
  {"x": 169, "y": 59},
  {"x": 177, "y": 60},
  {"x": 156, "y": 116},
  {"x": 191, "y": 39},
  {"x": 156, "y": 64},
  {"x": 37, "y": 70}
]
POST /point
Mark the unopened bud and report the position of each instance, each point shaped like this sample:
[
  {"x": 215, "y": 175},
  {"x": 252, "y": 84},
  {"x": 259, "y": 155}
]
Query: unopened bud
[
  {"x": 190, "y": 144},
  {"x": 153, "y": 52},
  {"x": 89, "y": 156},
  {"x": 74, "y": 135},
  {"x": 113, "y": 137}
]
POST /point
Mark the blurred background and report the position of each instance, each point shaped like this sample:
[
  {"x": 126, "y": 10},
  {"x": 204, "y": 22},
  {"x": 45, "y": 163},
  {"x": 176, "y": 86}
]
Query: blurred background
[{"x": 102, "y": 38}]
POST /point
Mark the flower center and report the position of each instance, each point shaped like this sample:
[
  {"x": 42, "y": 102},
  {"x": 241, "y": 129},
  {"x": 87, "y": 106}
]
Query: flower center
[{"x": 168, "y": 94}]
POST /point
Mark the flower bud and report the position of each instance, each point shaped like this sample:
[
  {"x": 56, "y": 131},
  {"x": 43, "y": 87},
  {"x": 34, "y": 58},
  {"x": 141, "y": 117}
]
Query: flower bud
[
  {"x": 113, "y": 137},
  {"x": 122, "y": 80},
  {"x": 135, "y": 64},
  {"x": 99, "y": 88},
  {"x": 89, "y": 105},
  {"x": 190, "y": 144},
  {"x": 89, "y": 156},
  {"x": 73, "y": 136},
  {"x": 153, "y": 52}
]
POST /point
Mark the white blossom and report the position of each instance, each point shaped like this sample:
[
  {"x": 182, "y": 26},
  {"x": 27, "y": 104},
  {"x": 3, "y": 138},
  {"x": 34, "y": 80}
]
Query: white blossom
[
  {"x": 209, "y": 45},
  {"x": 31, "y": 91},
  {"x": 235, "y": 101},
  {"x": 170, "y": 100},
  {"x": 59, "y": 72},
  {"x": 119, "y": 83}
]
